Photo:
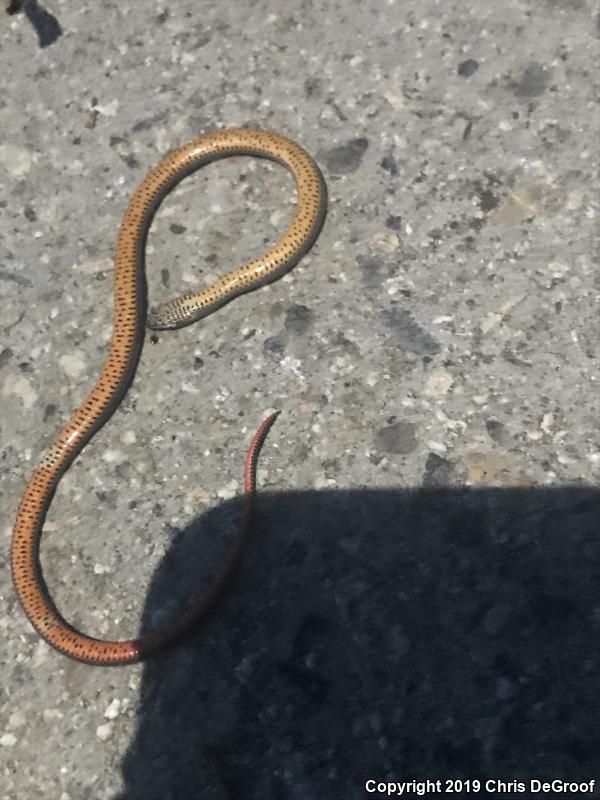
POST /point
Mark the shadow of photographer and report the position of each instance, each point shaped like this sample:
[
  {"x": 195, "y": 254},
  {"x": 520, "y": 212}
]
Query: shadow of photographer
[{"x": 378, "y": 634}]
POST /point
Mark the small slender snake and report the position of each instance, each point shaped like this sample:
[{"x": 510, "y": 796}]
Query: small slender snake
[{"x": 120, "y": 367}]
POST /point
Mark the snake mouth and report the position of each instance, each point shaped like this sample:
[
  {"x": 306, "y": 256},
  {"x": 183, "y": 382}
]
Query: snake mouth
[{"x": 153, "y": 320}]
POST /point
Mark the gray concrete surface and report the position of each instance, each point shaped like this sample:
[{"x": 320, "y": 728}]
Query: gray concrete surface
[{"x": 443, "y": 333}]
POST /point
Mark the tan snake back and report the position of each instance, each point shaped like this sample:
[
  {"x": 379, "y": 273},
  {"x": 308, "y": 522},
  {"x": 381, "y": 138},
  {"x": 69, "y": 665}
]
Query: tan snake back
[{"x": 119, "y": 369}]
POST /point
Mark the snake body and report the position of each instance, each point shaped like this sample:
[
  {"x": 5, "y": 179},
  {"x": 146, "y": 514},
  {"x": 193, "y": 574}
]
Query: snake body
[{"x": 130, "y": 319}]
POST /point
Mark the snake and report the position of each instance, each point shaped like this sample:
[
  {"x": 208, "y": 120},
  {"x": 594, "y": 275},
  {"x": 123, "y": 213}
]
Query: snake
[{"x": 131, "y": 318}]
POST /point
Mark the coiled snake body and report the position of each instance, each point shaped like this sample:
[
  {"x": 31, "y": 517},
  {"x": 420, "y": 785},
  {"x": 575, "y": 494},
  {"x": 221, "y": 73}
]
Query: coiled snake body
[{"x": 120, "y": 366}]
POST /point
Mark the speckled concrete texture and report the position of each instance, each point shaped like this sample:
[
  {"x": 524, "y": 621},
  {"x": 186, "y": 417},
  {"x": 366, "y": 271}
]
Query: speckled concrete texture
[{"x": 421, "y": 597}]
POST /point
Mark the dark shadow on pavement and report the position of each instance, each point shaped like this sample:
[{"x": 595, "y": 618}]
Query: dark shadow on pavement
[
  {"x": 415, "y": 634},
  {"x": 44, "y": 23}
]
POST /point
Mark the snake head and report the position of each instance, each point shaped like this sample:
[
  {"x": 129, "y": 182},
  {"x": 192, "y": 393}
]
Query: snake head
[
  {"x": 183, "y": 311},
  {"x": 167, "y": 316},
  {"x": 158, "y": 319}
]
